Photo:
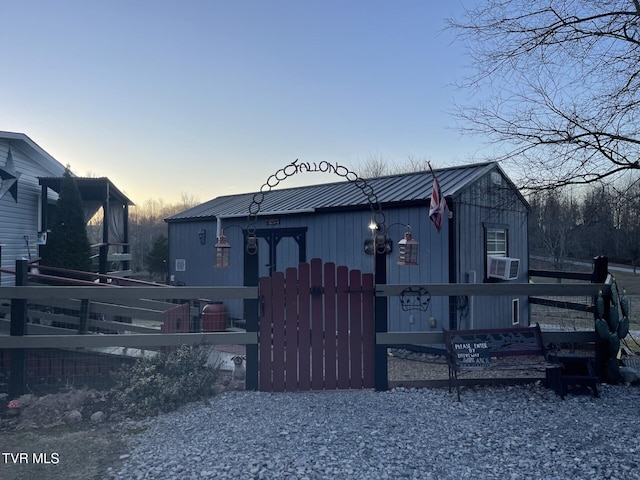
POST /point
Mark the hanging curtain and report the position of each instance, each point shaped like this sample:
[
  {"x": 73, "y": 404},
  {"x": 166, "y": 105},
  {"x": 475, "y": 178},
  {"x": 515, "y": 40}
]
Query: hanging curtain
[
  {"x": 116, "y": 222},
  {"x": 90, "y": 209}
]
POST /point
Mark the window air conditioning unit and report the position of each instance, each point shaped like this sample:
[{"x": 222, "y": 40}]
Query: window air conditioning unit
[{"x": 504, "y": 268}]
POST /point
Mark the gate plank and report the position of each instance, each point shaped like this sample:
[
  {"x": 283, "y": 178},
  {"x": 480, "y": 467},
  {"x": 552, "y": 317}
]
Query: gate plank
[
  {"x": 277, "y": 295},
  {"x": 368, "y": 331},
  {"x": 342, "y": 299},
  {"x": 330, "y": 379},
  {"x": 304, "y": 332},
  {"x": 291, "y": 330},
  {"x": 355, "y": 324},
  {"x": 317, "y": 327},
  {"x": 265, "y": 362}
]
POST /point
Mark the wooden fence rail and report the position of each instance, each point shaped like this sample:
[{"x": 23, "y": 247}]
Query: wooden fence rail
[{"x": 19, "y": 341}]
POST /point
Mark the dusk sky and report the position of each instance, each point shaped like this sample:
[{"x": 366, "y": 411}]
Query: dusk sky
[{"x": 210, "y": 98}]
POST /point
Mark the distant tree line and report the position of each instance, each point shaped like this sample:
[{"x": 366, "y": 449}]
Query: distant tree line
[{"x": 597, "y": 220}]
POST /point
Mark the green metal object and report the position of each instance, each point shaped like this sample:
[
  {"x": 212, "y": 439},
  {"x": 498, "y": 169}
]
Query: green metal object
[
  {"x": 614, "y": 318},
  {"x": 602, "y": 329},
  {"x": 624, "y": 304},
  {"x": 623, "y": 328},
  {"x": 599, "y": 305},
  {"x": 611, "y": 325},
  {"x": 614, "y": 345}
]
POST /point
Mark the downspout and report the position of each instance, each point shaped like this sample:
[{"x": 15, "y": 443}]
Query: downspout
[{"x": 453, "y": 261}]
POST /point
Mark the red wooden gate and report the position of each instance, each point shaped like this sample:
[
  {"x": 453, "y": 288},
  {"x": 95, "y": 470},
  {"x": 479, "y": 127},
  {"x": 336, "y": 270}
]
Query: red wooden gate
[{"x": 316, "y": 329}]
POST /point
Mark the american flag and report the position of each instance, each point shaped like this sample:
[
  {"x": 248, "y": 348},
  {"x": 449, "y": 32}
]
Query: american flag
[{"x": 437, "y": 204}]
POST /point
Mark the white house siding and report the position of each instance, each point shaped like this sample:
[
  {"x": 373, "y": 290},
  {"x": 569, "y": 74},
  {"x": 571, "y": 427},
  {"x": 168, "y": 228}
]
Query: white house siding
[{"x": 20, "y": 218}]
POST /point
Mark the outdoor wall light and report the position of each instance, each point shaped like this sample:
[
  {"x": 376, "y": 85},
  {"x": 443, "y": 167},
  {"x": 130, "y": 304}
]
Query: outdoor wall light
[
  {"x": 379, "y": 243},
  {"x": 223, "y": 248}
]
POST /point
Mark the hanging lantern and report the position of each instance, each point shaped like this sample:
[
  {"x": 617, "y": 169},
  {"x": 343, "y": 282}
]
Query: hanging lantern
[
  {"x": 223, "y": 252},
  {"x": 408, "y": 250}
]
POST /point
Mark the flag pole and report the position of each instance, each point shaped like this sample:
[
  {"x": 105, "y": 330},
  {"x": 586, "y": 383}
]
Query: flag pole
[{"x": 437, "y": 205}]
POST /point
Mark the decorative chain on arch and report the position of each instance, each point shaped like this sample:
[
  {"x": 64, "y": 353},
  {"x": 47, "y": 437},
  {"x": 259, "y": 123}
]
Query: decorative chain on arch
[{"x": 324, "y": 166}]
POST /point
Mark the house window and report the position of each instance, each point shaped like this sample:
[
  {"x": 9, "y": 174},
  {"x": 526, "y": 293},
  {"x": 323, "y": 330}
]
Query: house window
[
  {"x": 495, "y": 245},
  {"x": 515, "y": 311},
  {"x": 496, "y": 241}
]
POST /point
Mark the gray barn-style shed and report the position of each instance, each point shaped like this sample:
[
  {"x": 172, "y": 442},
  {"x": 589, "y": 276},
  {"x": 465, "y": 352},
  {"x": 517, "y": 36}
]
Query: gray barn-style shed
[{"x": 483, "y": 239}]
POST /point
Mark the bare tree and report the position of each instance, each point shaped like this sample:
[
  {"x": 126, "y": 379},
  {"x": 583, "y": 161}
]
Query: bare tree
[
  {"x": 628, "y": 224},
  {"x": 563, "y": 85},
  {"x": 378, "y": 166},
  {"x": 598, "y": 231},
  {"x": 553, "y": 221}
]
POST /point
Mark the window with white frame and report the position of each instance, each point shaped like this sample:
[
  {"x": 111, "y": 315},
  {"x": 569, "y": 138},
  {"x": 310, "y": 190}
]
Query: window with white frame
[
  {"x": 515, "y": 311},
  {"x": 495, "y": 244},
  {"x": 496, "y": 241}
]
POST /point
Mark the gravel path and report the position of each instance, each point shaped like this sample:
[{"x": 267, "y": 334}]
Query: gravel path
[{"x": 512, "y": 432}]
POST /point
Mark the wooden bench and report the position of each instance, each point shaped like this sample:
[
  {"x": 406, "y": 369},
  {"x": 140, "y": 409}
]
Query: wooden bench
[{"x": 506, "y": 349}]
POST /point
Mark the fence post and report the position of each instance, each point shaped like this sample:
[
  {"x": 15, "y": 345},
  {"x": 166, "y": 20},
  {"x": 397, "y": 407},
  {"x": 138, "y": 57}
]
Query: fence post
[
  {"x": 84, "y": 317},
  {"x": 251, "y": 315},
  {"x": 102, "y": 258},
  {"x": 18, "y": 328},
  {"x": 381, "y": 379},
  {"x": 599, "y": 275}
]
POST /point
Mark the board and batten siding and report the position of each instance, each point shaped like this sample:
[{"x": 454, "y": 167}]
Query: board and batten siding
[
  {"x": 490, "y": 202},
  {"x": 333, "y": 236},
  {"x": 21, "y": 218},
  {"x": 338, "y": 236},
  {"x": 187, "y": 252}
]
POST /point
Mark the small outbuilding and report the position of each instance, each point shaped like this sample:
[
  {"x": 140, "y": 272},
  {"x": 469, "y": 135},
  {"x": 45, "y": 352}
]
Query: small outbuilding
[{"x": 483, "y": 238}]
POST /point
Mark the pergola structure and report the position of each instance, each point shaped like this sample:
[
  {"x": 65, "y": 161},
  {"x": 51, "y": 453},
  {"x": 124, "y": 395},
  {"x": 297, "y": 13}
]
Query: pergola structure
[{"x": 98, "y": 193}]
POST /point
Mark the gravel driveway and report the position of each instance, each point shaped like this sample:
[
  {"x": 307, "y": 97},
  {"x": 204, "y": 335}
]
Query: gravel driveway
[{"x": 505, "y": 432}]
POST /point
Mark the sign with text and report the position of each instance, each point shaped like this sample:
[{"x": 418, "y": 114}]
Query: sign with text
[{"x": 471, "y": 353}]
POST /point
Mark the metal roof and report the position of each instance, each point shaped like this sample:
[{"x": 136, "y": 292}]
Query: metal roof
[
  {"x": 391, "y": 189},
  {"x": 90, "y": 188}
]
